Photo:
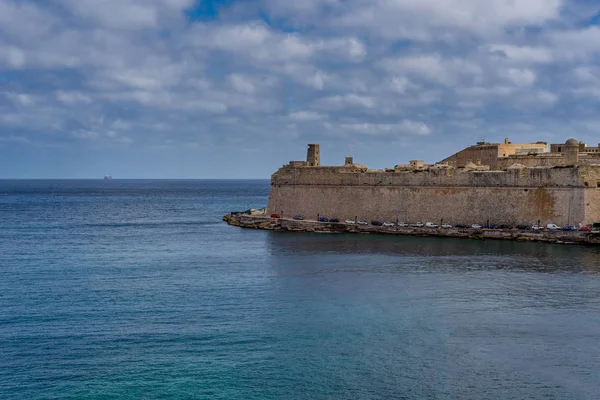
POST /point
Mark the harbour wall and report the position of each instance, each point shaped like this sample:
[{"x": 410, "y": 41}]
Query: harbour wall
[
  {"x": 288, "y": 224},
  {"x": 564, "y": 196}
]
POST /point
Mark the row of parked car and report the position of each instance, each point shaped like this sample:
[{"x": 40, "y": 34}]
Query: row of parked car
[{"x": 552, "y": 227}]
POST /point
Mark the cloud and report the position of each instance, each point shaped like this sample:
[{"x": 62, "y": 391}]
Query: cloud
[
  {"x": 521, "y": 77},
  {"x": 306, "y": 116},
  {"x": 425, "y": 19},
  {"x": 434, "y": 68},
  {"x": 152, "y": 74},
  {"x": 72, "y": 97},
  {"x": 522, "y": 54},
  {"x": 405, "y": 127},
  {"x": 21, "y": 99}
]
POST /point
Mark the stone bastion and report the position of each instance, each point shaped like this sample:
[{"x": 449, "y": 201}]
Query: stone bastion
[{"x": 564, "y": 195}]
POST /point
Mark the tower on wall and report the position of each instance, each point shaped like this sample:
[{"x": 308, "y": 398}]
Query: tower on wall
[
  {"x": 313, "y": 155},
  {"x": 571, "y": 151}
]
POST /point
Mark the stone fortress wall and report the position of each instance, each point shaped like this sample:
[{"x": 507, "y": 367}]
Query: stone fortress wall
[{"x": 517, "y": 195}]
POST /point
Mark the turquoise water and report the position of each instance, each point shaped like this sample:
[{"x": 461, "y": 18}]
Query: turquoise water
[{"x": 137, "y": 290}]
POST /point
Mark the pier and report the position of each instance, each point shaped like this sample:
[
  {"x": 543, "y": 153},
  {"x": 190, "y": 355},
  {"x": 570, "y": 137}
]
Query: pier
[{"x": 289, "y": 224}]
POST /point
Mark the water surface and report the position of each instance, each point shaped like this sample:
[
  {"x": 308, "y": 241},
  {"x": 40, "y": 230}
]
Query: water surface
[{"x": 137, "y": 290}]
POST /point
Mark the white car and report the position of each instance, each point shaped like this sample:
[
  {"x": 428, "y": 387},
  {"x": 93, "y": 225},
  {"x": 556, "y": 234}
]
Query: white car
[
  {"x": 388, "y": 223},
  {"x": 553, "y": 227},
  {"x": 350, "y": 222},
  {"x": 430, "y": 225},
  {"x": 361, "y": 222},
  {"x": 536, "y": 228},
  {"x": 476, "y": 226},
  {"x": 418, "y": 225},
  {"x": 446, "y": 226},
  {"x": 403, "y": 224}
]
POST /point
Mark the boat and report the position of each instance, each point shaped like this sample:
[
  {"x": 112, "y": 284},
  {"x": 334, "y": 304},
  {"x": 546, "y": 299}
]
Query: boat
[{"x": 107, "y": 177}]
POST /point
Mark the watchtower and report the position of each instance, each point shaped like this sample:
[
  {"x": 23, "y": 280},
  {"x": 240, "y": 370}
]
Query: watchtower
[
  {"x": 571, "y": 151},
  {"x": 313, "y": 155}
]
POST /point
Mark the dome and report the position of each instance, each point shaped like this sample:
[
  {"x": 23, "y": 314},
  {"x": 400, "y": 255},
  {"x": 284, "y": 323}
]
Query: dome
[{"x": 572, "y": 142}]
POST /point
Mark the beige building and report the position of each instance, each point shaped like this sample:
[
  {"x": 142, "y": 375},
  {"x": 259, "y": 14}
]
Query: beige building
[
  {"x": 583, "y": 148},
  {"x": 484, "y": 153}
]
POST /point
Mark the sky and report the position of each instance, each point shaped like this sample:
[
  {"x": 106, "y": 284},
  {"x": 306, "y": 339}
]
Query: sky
[{"x": 237, "y": 88}]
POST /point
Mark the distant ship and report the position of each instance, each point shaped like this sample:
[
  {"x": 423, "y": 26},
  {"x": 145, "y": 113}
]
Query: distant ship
[{"x": 107, "y": 177}]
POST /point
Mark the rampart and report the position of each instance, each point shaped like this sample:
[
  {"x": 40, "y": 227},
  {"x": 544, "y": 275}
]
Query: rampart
[{"x": 560, "y": 195}]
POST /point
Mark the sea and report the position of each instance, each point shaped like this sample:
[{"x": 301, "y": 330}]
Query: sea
[{"x": 136, "y": 289}]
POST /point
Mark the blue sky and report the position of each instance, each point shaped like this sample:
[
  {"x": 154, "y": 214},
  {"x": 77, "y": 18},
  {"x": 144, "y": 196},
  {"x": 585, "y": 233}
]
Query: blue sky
[{"x": 235, "y": 89}]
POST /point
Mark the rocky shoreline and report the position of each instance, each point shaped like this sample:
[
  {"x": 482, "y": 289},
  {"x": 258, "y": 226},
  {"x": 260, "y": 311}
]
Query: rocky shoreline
[{"x": 288, "y": 224}]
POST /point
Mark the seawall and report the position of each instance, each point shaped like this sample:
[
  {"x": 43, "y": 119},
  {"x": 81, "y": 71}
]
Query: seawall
[
  {"x": 288, "y": 224},
  {"x": 564, "y": 196}
]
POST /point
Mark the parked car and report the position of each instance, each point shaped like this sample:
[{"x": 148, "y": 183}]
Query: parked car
[
  {"x": 323, "y": 219},
  {"x": 334, "y": 220},
  {"x": 350, "y": 222},
  {"x": 505, "y": 227},
  {"x": 553, "y": 227},
  {"x": 476, "y": 226},
  {"x": 361, "y": 222},
  {"x": 585, "y": 229},
  {"x": 462, "y": 226},
  {"x": 430, "y": 225},
  {"x": 376, "y": 223},
  {"x": 493, "y": 227},
  {"x": 298, "y": 217},
  {"x": 418, "y": 225},
  {"x": 446, "y": 226},
  {"x": 387, "y": 223},
  {"x": 402, "y": 224},
  {"x": 523, "y": 227},
  {"x": 536, "y": 227},
  {"x": 275, "y": 216},
  {"x": 569, "y": 228}
]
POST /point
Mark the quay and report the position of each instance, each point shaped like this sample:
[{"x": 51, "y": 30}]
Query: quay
[{"x": 289, "y": 224}]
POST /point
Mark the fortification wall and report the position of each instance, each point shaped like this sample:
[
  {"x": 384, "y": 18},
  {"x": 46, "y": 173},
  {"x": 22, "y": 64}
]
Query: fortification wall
[
  {"x": 525, "y": 196},
  {"x": 527, "y": 177},
  {"x": 545, "y": 160}
]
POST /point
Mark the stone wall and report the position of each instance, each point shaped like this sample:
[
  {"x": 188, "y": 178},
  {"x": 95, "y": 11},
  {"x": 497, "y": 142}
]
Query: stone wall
[
  {"x": 484, "y": 154},
  {"x": 533, "y": 160},
  {"x": 488, "y": 154},
  {"x": 521, "y": 196}
]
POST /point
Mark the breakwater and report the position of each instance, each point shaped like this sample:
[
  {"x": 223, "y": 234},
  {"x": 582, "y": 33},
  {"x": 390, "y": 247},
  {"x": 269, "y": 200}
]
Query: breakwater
[{"x": 289, "y": 224}]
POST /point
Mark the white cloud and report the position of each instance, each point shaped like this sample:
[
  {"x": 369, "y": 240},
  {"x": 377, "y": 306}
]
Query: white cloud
[
  {"x": 242, "y": 84},
  {"x": 377, "y": 129},
  {"x": 350, "y": 100},
  {"x": 547, "y": 97},
  {"x": 401, "y": 83},
  {"x": 360, "y": 68},
  {"x": 86, "y": 135},
  {"x": 127, "y": 14},
  {"x": 22, "y": 99},
  {"x": 306, "y": 116},
  {"x": 72, "y": 97},
  {"x": 424, "y": 19},
  {"x": 522, "y": 54},
  {"x": 521, "y": 77},
  {"x": 576, "y": 44},
  {"x": 434, "y": 68},
  {"x": 14, "y": 57}
]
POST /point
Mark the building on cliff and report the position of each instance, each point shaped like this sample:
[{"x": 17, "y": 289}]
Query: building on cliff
[{"x": 497, "y": 183}]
